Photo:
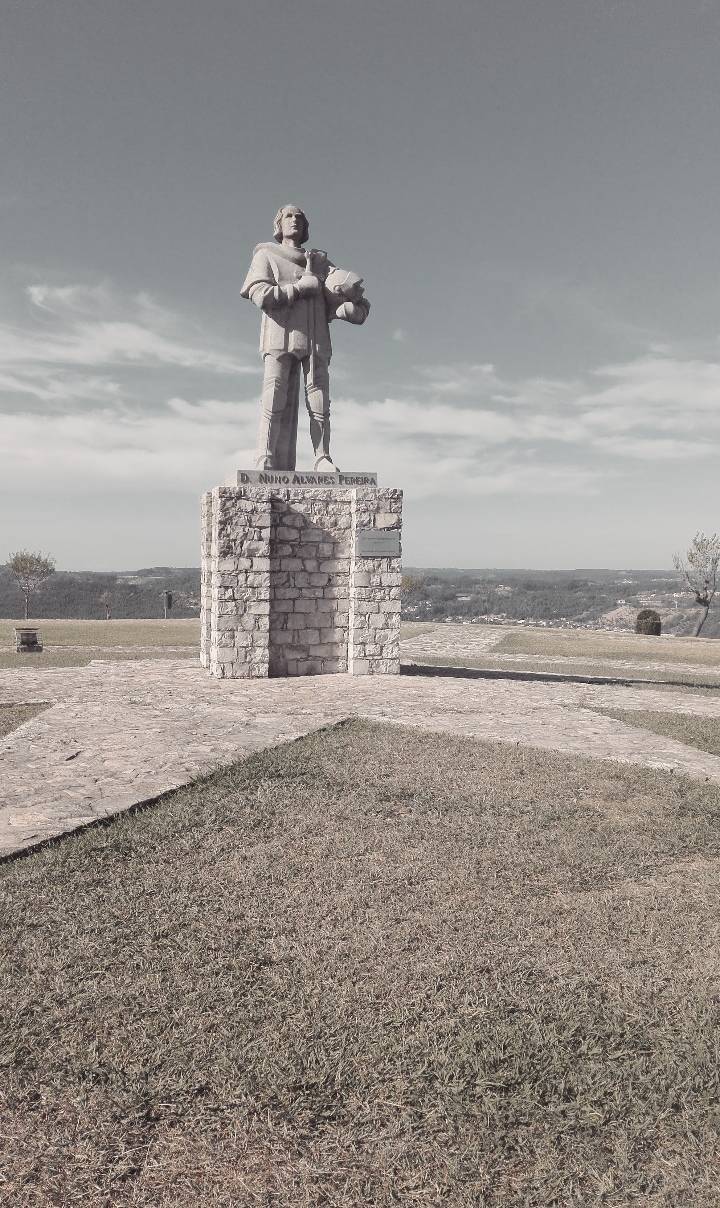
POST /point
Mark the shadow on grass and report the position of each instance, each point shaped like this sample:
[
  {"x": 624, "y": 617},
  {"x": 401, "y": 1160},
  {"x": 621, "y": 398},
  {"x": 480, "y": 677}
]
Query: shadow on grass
[
  {"x": 374, "y": 966},
  {"x": 544, "y": 677}
]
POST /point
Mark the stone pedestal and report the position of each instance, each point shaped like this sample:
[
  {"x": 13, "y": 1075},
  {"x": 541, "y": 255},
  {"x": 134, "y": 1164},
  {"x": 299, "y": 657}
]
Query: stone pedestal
[{"x": 300, "y": 576}]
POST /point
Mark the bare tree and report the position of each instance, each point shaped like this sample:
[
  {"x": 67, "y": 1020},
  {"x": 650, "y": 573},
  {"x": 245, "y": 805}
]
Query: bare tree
[
  {"x": 409, "y": 584},
  {"x": 30, "y": 570},
  {"x": 106, "y": 601},
  {"x": 699, "y": 568}
]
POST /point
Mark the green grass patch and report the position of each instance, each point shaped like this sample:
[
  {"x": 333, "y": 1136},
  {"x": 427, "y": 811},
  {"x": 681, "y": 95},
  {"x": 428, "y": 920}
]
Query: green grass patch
[
  {"x": 593, "y": 643},
  {"x": 375, "y": 966},
  {"x": 12, "y": 716},
  {"x": 702, "y": 732}
]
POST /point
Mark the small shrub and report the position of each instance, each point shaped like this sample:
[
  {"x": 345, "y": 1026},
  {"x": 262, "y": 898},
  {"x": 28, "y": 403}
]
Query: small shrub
[{"x": 648, "y": 621}]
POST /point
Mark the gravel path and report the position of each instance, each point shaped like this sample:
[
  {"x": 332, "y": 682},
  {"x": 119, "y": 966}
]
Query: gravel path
[{"x": 119, "y": 733}]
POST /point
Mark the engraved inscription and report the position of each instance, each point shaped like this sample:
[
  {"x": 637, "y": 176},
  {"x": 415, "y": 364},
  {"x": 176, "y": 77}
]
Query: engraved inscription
[{"x": 301, "y": 478}]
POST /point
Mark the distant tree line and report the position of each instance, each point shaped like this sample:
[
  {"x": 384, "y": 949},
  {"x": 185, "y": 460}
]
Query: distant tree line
[
  {"x": 550, "y": 596},
  {"x": 434, "y": 597},
  {"x": 97, "y": 595}
]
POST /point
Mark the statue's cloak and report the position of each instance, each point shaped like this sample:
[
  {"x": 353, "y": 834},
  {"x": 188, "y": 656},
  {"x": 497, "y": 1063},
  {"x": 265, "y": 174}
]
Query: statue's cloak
[{"x": 299, "y": 327}]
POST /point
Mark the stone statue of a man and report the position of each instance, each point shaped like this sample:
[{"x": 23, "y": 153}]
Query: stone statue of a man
[{"x": 299, "y": 294}]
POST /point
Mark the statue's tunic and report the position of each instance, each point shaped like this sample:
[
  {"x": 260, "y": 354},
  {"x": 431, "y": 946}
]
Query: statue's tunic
[{"x": 289, "y": 323}]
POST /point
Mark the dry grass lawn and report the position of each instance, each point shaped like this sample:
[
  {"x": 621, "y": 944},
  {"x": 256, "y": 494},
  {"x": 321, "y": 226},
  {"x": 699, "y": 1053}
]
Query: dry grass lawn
[
  {"x": 594, "y": 643},
  {"x": 12, "y": 716},
  {"x": 416, "y": 629},
  {"x": 76, "y": 643},
  {"x": 98, "y": 634},
  {"x": 80, "y": 657},
  {"x": 373, "y": 967},
  {"x": 702, "y": 732}
]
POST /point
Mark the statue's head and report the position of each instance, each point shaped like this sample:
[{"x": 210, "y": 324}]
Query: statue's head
[{"x": 294, "y": 220}]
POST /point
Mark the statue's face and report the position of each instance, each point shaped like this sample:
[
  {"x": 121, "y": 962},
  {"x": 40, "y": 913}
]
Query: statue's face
[{"x": 292, "y": 222}]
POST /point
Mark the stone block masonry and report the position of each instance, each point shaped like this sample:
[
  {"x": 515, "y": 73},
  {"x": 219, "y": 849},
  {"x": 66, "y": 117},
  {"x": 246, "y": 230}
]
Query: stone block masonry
[{"x": 284, "y": 590}]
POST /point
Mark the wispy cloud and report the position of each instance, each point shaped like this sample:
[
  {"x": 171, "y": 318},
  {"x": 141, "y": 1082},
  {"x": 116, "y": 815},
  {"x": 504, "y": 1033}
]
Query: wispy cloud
[
  {"x": 77, "y": 340},
  {"x": 192, "y": 445},
  {"x": 182, "y": 447},
  {"x": 458, "y": 379},
  {"x": 653, "y": 407},
  {"x": 133, "y": 393}
]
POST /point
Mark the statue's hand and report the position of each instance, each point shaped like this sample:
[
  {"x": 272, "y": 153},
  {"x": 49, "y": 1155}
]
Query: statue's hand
[
  {"x": 317, "y": 263},
  {"x": 308, "y": 285}
]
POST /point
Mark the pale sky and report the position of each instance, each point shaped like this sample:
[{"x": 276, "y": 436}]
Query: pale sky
[{"x": 531, "y": 189}]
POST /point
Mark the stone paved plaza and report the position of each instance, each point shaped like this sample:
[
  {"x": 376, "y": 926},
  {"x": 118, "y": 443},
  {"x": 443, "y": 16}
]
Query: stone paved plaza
[{"x": 118, "y": 733}]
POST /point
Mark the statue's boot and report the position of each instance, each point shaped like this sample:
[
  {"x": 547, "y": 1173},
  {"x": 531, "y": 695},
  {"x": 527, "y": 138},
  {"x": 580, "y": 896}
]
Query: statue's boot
[
  {"x": 268, "y": 434},
  {"x": 320, "y": 437},
  {"x": 324, "y": 465}
]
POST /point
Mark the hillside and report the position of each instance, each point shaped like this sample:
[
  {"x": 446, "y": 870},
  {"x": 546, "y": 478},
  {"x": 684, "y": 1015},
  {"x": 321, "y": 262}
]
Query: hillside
[
  {"x": 82, "y": 594},
  {"x": 592, "y": 599}
]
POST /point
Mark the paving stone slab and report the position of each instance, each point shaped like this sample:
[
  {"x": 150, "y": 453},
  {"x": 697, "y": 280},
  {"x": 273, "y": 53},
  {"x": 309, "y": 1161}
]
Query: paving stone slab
[{"x": 117, "y": 734}]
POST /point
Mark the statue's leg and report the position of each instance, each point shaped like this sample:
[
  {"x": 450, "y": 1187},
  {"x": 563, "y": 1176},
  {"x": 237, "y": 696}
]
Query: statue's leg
[
  {"x": 287, "y": 440},
  {"x": 276, "y": 377},
  {"x": 317, "y": 397}
]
